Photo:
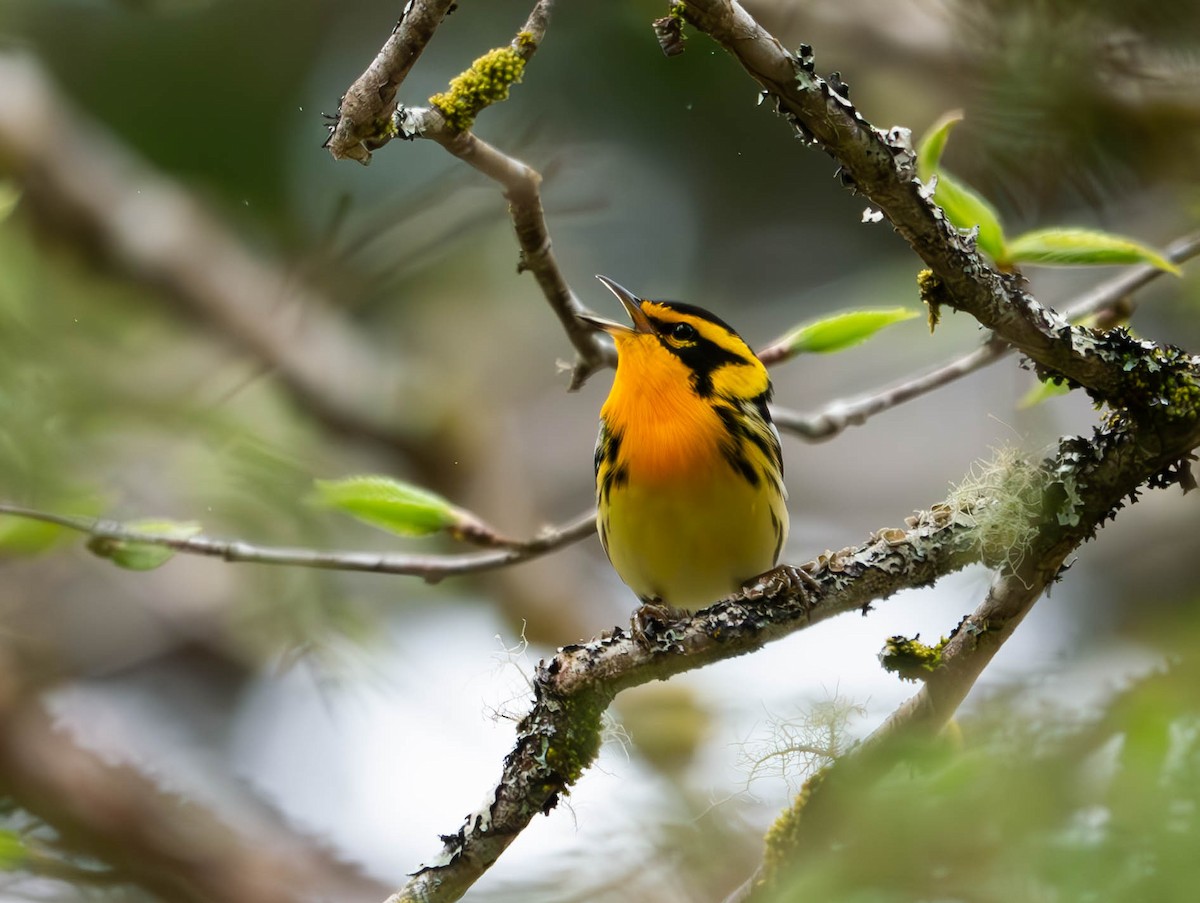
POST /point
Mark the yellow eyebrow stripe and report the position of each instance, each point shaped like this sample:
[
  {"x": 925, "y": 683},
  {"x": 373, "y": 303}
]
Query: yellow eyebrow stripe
[{"x": 706, "y": 325}]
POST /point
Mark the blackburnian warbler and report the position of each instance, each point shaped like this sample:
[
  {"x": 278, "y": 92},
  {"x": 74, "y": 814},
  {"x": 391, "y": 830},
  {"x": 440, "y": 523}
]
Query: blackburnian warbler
[{"x": 689, "y": 475}]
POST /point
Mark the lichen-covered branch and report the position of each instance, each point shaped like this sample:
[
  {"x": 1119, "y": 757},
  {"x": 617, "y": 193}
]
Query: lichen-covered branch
[
  {"x": 559, "y": 738},
  {"x": 1154, "y": 389},
  {"x": 881, "y": 165},
  {"x": 1027, "y": 531},
  {"x": 106, "y": 535},
  {"x": 369, "y": 117},
  {"x": 1090, "y": 481},
  {"x": 364, "y": 117},
  {"x": 1082, "y": 484}
]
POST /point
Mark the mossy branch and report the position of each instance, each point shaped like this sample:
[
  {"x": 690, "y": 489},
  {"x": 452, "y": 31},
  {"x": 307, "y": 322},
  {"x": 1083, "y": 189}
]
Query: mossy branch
[
  {"x": 1091, "y": 480},
  {"x": 448, "y": 123},
  {"x": 559, "y": 738},
  {"x": 485, "y": 83},
  {"x": 1088, "y": 479}
]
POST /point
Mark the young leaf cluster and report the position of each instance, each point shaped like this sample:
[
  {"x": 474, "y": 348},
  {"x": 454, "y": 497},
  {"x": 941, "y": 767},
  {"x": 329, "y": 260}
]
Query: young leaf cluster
[{"x": 1068, "y": 246}]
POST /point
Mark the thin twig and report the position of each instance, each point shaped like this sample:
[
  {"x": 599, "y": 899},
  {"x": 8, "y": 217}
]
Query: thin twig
[
  {"x": 1107, "y": 294},
  {"x": 365, "y": 110},
  {"x": 836, "y": 416},
  {"x": 521, "y": 184},
  {"x": 431, "y": 568}
]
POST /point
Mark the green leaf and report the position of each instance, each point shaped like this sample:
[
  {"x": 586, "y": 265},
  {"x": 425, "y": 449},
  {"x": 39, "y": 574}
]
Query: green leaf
[
  {"x": 933, "y": 142},
  {"x": 841, "y": 330},
  {"x": 1083, "y": 246},
  {"x": 25, "y": 536},
  {"x": 13, "y": 853},
  {"x": 10, "y": 194},
  {"x": 389, "y": 504},
  {"x": 963, "y": 206},
  {"x": 967, "y": 209},
  {"x": 143, "y": 556},
  {"x": 29, "y": 536},
  {"x": 1042, "y": 391}
]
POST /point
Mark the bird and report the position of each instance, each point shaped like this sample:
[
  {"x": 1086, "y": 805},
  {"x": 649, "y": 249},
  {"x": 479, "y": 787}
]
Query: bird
[{"x": 691, "y": 503}]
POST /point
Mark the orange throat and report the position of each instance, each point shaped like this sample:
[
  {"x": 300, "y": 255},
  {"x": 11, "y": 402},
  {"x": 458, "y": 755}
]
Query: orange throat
[{"x": 667, "y": 431}]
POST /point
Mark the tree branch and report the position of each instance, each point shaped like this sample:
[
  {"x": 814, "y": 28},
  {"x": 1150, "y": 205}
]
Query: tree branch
[
  {"x": 172, "y": 847},
  {"x": 838, "y": 415},
  {"x": 364, "y": 117},
  {"x": 881, "y": 165},
  {"x": 559, "y": 738},
  {"x": 360, "y": 129},
  {"x": 431, "y": 568},
  {"x": 522, "y": 189},
  {"x": 1083, "y": 484},
  {"x": 1100, "y": 476}
]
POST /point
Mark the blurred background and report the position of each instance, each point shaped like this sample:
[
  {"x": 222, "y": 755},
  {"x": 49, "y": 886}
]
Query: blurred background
[{"x": 325, "y": 319}]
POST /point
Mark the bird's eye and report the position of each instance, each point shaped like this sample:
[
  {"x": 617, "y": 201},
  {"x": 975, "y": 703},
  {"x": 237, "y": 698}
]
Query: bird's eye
[{"x": 683, "y": 332}]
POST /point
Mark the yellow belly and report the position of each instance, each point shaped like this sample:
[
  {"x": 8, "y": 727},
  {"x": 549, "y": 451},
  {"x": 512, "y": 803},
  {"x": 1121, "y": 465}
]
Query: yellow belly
[{"x": 691, "y": 542}]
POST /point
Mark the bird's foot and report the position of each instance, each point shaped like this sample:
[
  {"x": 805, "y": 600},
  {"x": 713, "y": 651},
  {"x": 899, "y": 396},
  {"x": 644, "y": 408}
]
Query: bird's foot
[
  {"x": 786, "y": 578},
  {"x": 650, "y": 620}
]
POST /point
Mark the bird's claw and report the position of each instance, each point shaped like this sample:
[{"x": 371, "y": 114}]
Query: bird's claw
[
  {"x": 648, "y": 621},
  {"x": 786, "y": 578}
]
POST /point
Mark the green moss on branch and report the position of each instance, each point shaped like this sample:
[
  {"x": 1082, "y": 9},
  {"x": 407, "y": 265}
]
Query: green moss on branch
[{"x": 485, "y": 83}]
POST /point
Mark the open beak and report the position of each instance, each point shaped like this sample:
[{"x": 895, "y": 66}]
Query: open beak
[{"x": 633, "y": 306}]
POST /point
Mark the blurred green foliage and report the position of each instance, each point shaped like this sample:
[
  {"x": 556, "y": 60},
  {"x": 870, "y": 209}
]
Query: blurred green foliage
[
  {"x": 205, "y": 90},
  {"x": 1038, "y": 804},
  {"x": 108, "y": 407},
  {"x": 1071, "y": 101}
]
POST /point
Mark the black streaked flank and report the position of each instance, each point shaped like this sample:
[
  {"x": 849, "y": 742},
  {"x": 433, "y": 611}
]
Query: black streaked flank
[
  {"x": 608, "y": 449},
  {"x": 763, "y": 439},
  {"x": 735, "y": 458},
  {"x": 760, "y": 403},
  {"x": 608, "y": 446},
  {"x": 614, "y": 479}
]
